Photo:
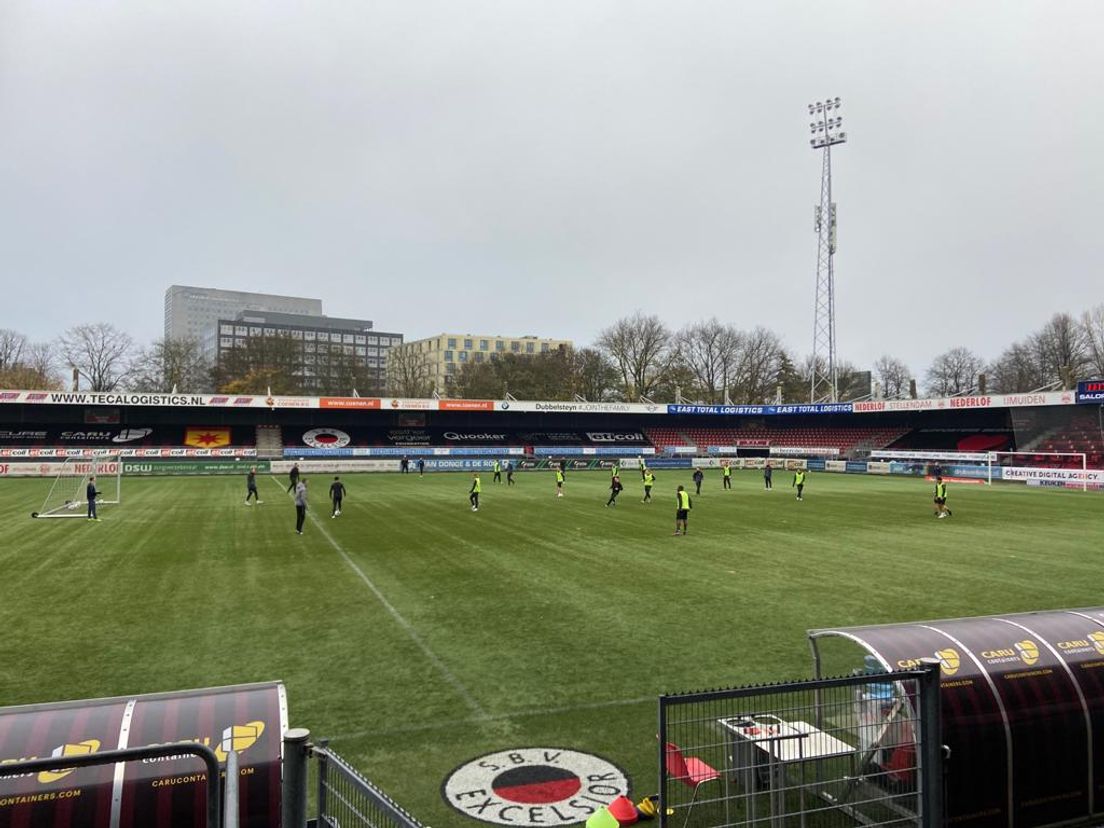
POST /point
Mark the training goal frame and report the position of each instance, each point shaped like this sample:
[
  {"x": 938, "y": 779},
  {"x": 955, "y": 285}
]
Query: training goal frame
[
  {"x": 995, "y": 458},
  {"x": 66, "y": 497}
]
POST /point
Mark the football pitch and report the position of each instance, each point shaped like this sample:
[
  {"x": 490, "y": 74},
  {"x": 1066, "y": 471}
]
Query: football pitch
[{"x": 417, "y": 634}]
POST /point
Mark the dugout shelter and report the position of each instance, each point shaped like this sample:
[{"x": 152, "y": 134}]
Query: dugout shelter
[
  {"x": 1022, "y": 709},
  {"x": 166, "y": 791}
]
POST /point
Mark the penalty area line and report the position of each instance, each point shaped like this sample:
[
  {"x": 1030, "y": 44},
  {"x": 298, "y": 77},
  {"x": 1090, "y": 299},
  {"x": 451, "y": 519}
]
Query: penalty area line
[{"x": 398, "y": 617}]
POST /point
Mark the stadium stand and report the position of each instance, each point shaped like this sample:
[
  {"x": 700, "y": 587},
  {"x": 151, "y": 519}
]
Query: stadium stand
[
  {"x": 126, "y": 436},
  {"x": 847, "y": 440},
  {"x": 955, "y": 439},
  {"x": 1083, "y": 433},
  {"x": 667, "y": 438},
  {"x": 270, "y": 441}
]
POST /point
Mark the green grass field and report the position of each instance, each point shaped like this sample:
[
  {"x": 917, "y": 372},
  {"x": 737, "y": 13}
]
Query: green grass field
[{"x": 417, "y": 634}]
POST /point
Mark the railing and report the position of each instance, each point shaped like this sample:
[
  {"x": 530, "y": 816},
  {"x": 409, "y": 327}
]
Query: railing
[
  {"x": 828, "y": 752},
  {"x": 110, "y": 757},
  {"x": 348, "y": 800}
]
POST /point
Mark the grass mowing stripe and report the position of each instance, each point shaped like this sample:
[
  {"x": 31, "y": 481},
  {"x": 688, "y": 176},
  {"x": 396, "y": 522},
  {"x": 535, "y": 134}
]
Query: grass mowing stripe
[
  {"x": 408, "y": 628},
  {"x": 496, "y": 717}
]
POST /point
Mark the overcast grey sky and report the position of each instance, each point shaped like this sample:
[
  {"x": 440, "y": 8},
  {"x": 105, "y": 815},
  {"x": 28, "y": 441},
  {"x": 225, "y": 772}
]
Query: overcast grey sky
[{"x": 546, "y": 167}]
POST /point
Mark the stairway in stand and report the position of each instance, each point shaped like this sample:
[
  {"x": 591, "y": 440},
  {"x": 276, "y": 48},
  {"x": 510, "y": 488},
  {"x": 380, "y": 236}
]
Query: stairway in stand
[{"x": 270, "y": 442}]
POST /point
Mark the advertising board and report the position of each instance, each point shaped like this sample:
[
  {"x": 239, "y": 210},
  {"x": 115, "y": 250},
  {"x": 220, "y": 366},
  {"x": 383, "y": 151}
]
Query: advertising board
[
  {"x": 331, "y": 466},
  {"x": 1023, "y": 473},
  {"x": 54, "y": 468},
  {"x": 190, "y": 468},
  {"x": 1091, "y": 392}
]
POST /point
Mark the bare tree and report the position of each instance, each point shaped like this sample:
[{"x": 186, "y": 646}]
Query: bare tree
[
  {"x": 1061, "y": 345},
  {"x": 38, "y": 369},
  {"x": 759, "y": 359},
  {"x": 42, "y": 358},
  {"x": 1092, "y": 326},
  {"x": 954, "y": 372},
  {"x": 893, "y": 375},
  {"x": 100, "y": 352},
  {"x": 409, "y": 373},
  {"x": 640, "y": 347},
  {"x": 709, "y": 349},
  {"x": 594, "y": 376},
  {"x": 851, "y": 383},
  {"x": 171, "y": 363},
  {"x": 12, "y": 347},
  {"x": 1017, "y": 370}
]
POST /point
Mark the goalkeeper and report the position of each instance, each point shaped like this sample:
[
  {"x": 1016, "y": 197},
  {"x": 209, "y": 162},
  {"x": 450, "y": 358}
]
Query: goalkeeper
[{"x": 91, "y": 493}]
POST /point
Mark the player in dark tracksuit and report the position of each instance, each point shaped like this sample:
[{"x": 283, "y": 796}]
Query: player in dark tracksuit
[
  {"x": 293, "y": 477},
  {"x": 251, "y": 486},
  {"x": 699, "y": 476},
  {"x": 91, "y": 494},
  {"x": 615, "y": 490},
  {"x": 337, "y": 494},
  {"x": 767, "y": 474}
]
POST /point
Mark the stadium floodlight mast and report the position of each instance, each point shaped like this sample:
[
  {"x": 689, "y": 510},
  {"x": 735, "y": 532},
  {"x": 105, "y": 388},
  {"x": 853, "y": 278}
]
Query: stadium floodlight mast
[{"x": 826, "y": 129}]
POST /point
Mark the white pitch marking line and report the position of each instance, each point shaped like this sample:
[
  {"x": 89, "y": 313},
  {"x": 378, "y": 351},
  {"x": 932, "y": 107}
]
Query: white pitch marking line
[{"x": 450, "y": 677}]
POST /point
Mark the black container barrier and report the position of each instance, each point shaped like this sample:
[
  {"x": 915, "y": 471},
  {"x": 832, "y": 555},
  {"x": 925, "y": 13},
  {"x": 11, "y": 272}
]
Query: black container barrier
[
  {"x": 166, "y": 791},
  {"x": 1023, "y": 710}
]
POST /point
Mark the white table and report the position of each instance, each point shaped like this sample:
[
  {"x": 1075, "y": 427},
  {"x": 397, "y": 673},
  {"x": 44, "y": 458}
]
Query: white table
[{"x": 762, "y": 747}]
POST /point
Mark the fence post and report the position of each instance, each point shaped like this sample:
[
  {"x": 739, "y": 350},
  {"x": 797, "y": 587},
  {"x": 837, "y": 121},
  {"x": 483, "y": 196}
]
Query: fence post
[
  {"x": 230, "y": 793},
  {"x": 323, "y": 780},
  {"x": 661, "y": 735},
  {"x": 294, "y": 793},
  {"x": 931, "y": 745}
]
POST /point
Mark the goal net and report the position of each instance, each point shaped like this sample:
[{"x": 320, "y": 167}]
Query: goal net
[
  {"x": 67, "y": 496},
  {"x": 1063, "y": 469}
]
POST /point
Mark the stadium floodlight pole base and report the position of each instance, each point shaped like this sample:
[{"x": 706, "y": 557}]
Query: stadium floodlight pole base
[{"x": 995, "y": 458}]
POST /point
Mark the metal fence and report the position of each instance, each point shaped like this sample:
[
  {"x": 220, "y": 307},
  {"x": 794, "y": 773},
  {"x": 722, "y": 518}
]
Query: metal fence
[
  {"x": 348, "y": 800},
  {"x": 828, "y": 752},
  {"x": 212, "y": 817}
]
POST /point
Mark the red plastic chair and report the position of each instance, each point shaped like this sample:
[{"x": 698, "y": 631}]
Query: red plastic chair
[{"x": 690, "y": 771}]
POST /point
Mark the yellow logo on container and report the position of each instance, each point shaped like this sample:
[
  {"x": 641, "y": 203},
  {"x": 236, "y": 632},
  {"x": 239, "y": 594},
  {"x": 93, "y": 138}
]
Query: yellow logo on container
[
  {"x": 1097, "y": 639},
  {"x": 79, "y": 749},
  {"x": 1028, "y": 650},
  {"x": 949, "y": 661},
  {"x": 238, "y": 738}
]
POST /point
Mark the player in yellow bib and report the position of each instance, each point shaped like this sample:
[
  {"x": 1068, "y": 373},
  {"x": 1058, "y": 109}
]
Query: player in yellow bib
[
  {"x": 473, "y": 493},
  {"x": 941, "y": 510},
  {"x": 682, "y": 513}
]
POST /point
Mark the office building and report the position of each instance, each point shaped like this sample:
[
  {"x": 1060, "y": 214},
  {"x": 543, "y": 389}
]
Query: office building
[
  {"x": 440, "y": 358},
  {"x": 191, "y": 312},
  {"x": 323, "y": 347}
]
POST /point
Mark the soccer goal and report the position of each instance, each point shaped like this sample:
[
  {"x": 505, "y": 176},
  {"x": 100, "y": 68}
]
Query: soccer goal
[
  {"x": 1064, "y": 468},
  {"x": 68, "y": 492}
]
